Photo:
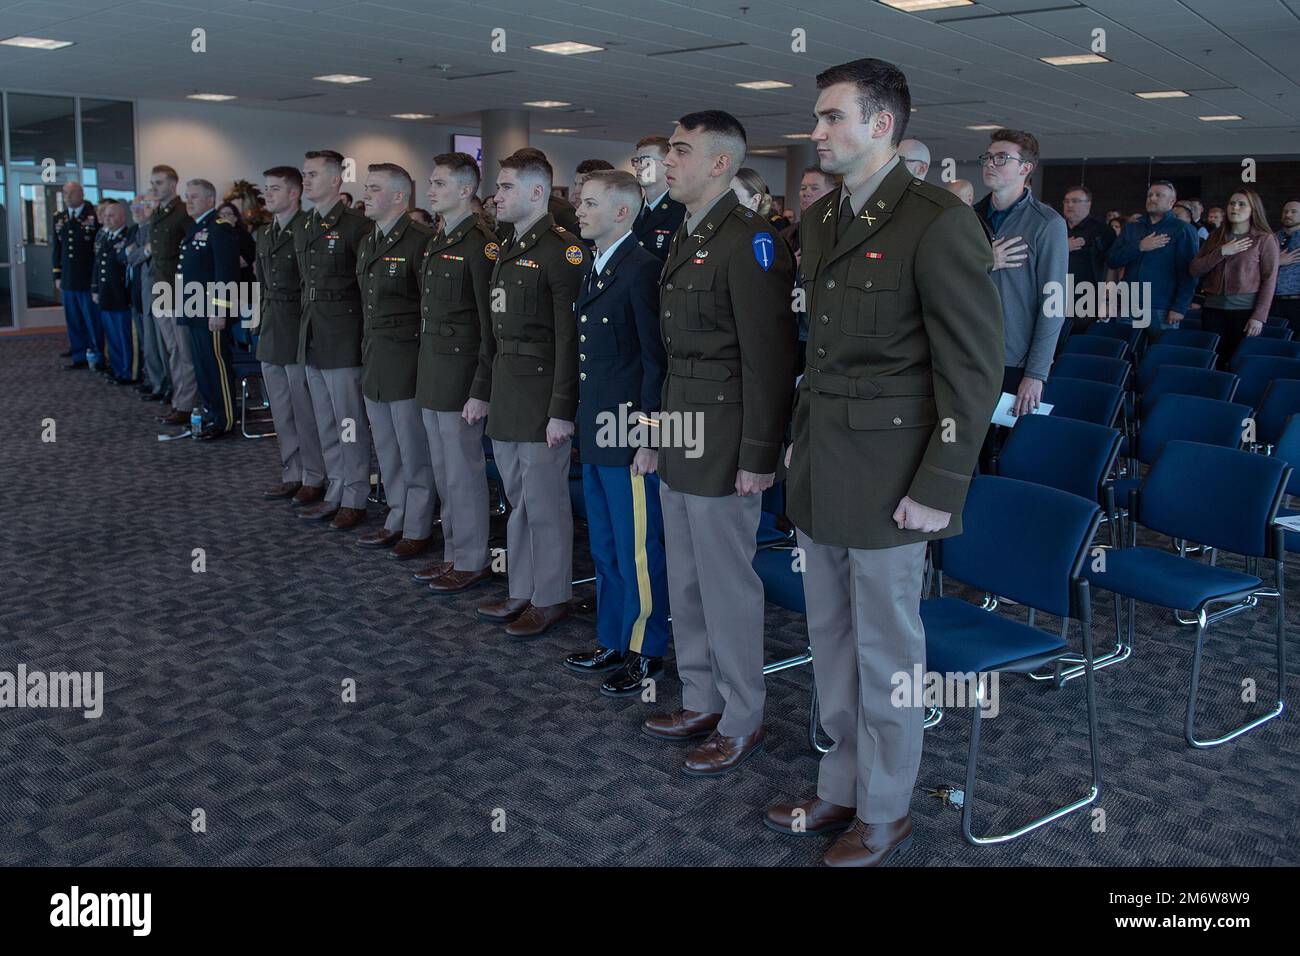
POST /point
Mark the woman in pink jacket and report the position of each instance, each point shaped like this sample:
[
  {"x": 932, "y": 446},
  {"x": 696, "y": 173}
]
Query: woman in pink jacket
[{"x": 1238, "y": 266}]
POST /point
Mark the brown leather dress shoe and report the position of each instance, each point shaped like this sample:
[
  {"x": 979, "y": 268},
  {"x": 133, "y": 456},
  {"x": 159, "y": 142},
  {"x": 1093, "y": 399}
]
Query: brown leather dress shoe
[
  {"x": 454, "y": 581},
  {"x": 349, "y": 518},
  {"x": 719, "y": 754},
  {"x": 383, "y": 538},
  {"x": 286, "y": 489},
  {"x": 321, "y": 512},
  {"x": 309, "y": 495},
  {"x": 504, "y": 610},
  {"x": 805, "y": 819},
  {"x": 537, "y": 620},
  {"x": 432, "y": 572},
  {"x": 870, "y": 844},
  {"x": 680, "y": 725},
  {"x": 175, "y": 417},
  {"x": 409, "y": 548}
]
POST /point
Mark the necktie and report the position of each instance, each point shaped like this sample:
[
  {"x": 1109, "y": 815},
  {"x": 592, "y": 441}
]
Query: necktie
[{"x": 845, "y": 218}]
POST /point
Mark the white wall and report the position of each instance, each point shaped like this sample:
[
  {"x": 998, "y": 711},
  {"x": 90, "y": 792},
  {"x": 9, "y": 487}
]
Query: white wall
[{"x": 222, "y": 142}]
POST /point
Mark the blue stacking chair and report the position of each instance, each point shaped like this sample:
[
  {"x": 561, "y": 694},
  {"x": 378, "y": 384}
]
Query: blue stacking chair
[
  {"x": 1262, "y": 345},
  {"x": 1183, "y": 418},
  {"x": 1288, "y": 450},
  {"x": 783, "y": 586},
  {"x": 1119, "y": 330},
  {"x": 1276, "y": 332},
  {"x": 1092, "y": 368},
  {"x": 1185, "y": 380},
  {"x": 1258, "y": 371},
  {"x": 1190, "y": 338},
  {"x": 246, "y": 369},
  {"x": 1226, "y": 499},
  {"x": 1281, "y": 400},
  {"x": 1160, "y": 355},
  {"x": 1029, "y": 543},
  {"x": 1084, "y": 401},
  {"x": 1095, "y": 345}
]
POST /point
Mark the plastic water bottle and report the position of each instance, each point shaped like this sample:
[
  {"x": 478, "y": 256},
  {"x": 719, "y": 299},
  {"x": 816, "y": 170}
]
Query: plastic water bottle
[{"x": 196, "y": 422}]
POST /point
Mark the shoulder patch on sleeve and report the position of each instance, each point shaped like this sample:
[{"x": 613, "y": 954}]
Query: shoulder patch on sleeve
[
  {"x": 764, "y": 249},
  {"x": 574, "y": 255},
  {"x": 492, "y": 250}
]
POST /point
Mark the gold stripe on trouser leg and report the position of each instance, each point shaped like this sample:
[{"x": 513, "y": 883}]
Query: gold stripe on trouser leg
[
  {"x": 135, "y": 352},
  {"x": 642, "y": 562},
  {"x": 225, "y": 381}
]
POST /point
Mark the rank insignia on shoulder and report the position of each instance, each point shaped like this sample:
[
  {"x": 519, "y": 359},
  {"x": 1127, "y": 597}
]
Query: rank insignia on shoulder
[
  {"x": 764, "y": 250},
  {"x": 574, "y": 255},
  {"x": 492, "y": 250}
]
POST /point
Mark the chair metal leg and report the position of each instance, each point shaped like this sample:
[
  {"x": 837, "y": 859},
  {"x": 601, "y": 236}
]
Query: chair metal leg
[
  {"x": 814, "y": 724},
  {"x": 1061, "y": 675}
]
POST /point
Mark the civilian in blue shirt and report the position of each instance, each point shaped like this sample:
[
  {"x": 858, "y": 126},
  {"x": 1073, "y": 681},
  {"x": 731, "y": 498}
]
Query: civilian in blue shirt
[{"x": 1158, "y": 249}]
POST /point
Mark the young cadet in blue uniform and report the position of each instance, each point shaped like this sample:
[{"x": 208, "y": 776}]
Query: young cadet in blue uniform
[
  {"x": 621, "y": 365},
  {"x": 210, "y": 255},
  {"x": 74, "y": 263},
  {"x": 660, "y": 215},
  {"x": 112, "y": 295}
]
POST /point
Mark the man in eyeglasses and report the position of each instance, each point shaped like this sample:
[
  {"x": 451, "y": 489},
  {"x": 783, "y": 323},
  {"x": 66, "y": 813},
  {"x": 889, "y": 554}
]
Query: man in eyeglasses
[
  {"x": 1017, "y": 219},
  {"x": 1090, "y": 239},
  {"x": 1158, "y": 249},
  {"x": 660, "y": 215}
]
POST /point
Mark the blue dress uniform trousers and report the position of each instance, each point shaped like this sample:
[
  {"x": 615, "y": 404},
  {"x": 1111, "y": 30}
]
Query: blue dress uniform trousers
[
  {"x": 85, "y": 335},
  {"x": 214, "y": 372},
  {"x": 625, "y": 527},
  {"x": 123, "y": 354}
]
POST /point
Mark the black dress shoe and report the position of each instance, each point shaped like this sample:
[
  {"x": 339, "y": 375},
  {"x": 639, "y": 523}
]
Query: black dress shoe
[
  {"x": 144, "y": 388},
  {"x": 72, "y": 365},
  {"x": 211, "y": 434},
  {"x": 591, "y": 662},
  {"x": 151, "y": 397},
  {"x": 637, "y": 668}
]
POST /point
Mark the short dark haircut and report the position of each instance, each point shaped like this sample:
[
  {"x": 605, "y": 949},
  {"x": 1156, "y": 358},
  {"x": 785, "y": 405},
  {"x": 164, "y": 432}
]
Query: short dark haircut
[
  {"x": 719, "y": 122},
  {"x": 346, "y": 195},
  {"x": 881, "y": 86},
  {"x": 659, "y": 142},
  {"x": 591, "y": 166},
  {"x": 395, "y": 172},
  {"x": 462, "y": 166},
  {"x": 331, "y": 157},
  {"x": 1027, "y": 142},
  {"x": 530, "y": 162},
  {"x": 816, "y": 168},
  {"x": 167, "y": 171},
  {"x": 1081, "y": 188},
  {"x": 289, "y": 174}
]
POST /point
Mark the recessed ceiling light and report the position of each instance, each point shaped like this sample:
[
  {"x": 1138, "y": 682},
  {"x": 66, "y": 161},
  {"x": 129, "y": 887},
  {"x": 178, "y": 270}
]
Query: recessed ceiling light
[
  {"x": 798, "y": 136},
  {"x": 412, "y": 115},
  {"x": 1074, "y": 59},
  {"x": 567, "y": 48},
  {"x": 1219, "y": 119},
  {"x": 765, "y": 85},
  {"x": 1162, "y": 94},
  {"x": 547, "y": 104},
  {"x": 342, "y": 78},
  {"x": 912, "y": 6},
  {"x": 210, "y": 97},
  {"x": 985, "y": 126},
  {"x": 36, "y": 43},
  {"x": 559, "y": 129}
]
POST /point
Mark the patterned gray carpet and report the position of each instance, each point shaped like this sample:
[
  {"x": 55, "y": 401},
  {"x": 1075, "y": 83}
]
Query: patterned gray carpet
[{"x": 223, "y": 691}]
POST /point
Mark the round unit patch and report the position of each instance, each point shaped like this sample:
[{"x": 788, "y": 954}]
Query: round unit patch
[
  {"x": 574, "y": 255},
  {"x": 491, "y": 250}
]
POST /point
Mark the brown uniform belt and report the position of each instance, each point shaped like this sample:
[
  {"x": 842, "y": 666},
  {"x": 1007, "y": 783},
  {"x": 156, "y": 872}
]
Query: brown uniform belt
[
  {"x": 868, "y": 387},
  {"x": 541, "y": 350},
  {"x": 715, "y": 370}
]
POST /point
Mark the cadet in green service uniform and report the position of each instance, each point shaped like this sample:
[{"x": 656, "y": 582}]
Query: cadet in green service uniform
[
  {"x": 388, "y": 272},
  {"x": 302, "y": 467},
  {"x": 904, "y": 368},
  {"x": 455, "y": 375},
  {"x": 727, "y": 318},
  {"x": 534, "y": 396},
  {"x": 329, "y": 340},
  {"x": 167, "y": 228}
]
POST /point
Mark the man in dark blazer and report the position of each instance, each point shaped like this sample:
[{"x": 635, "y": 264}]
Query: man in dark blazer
[
  {"x": 112, "y": 294},
  {"x": 660, "y": 214},
  {"x": 621, "y": 366},
  {"x": 725, "y": 309},
  {"x": 73, "y": 253},
  {"x": 904, "y": 369},
  {"x": 329, "y": 339},
  {"x": 302, "y": 466},
  {"x": 388, "y": 273}
]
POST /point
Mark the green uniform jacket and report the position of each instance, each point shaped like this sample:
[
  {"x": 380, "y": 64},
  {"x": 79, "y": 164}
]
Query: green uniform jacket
[
  {"x": 456, "y": 342},
  {"x": 729, "y": 331},
  {"x": 331, "y": 302},
  {"x": 535, "y": 372},
  {"x": 167, "y": 229},
  {"x": 388, "y": 273},
  {"x": 904, "y": 363},
  {"x": 278, "y": 278}
]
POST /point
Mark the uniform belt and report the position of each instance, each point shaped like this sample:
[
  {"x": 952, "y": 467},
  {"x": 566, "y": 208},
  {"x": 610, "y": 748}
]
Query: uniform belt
[
  {"x": 542, "y": 350},
  {"x": 283, "y": 296},
  {"x": 333, "y": 295},
  {"x": 715, "y": 370},
  {"x": 867, "y": 386}
]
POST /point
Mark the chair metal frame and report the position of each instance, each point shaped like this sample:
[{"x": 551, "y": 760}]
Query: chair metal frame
[{"x": 243, "y": 411}]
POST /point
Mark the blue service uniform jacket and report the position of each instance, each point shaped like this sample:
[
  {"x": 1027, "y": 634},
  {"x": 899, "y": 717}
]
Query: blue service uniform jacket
[
  {"x": 654, "y": 226},
  {"x": 74, "y": 247},
  {"x": 210, "y": 254},
  {"x": 621, "y": 359},
  {"x": 109, "y": 281}
]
